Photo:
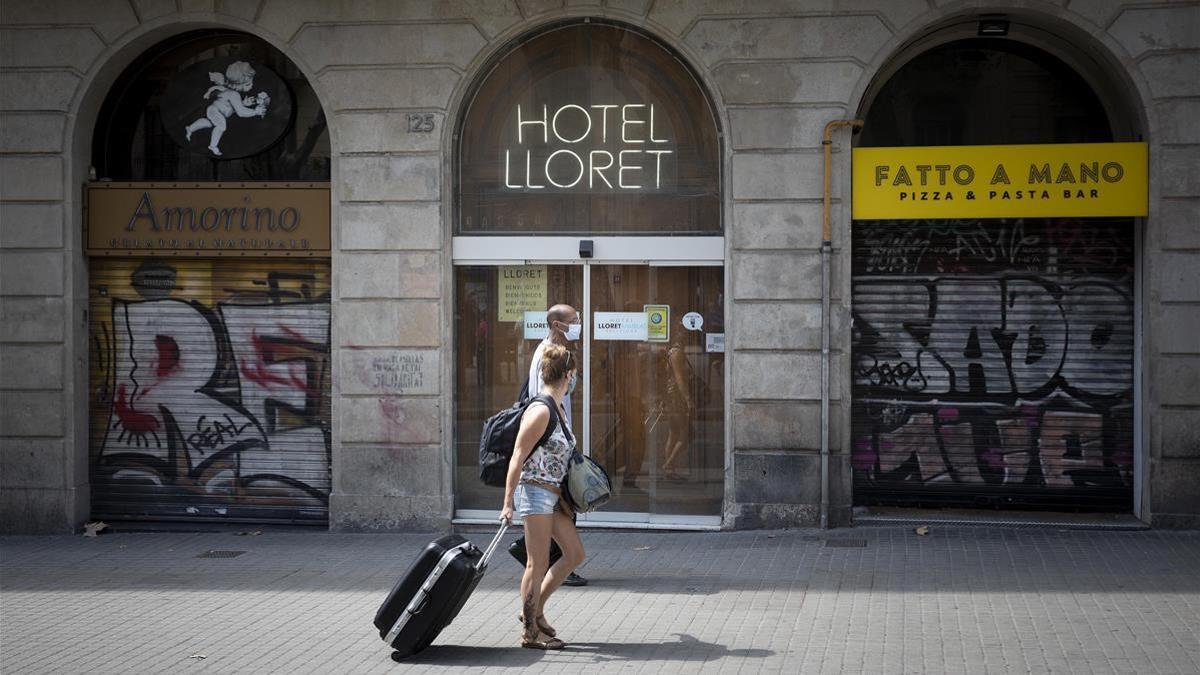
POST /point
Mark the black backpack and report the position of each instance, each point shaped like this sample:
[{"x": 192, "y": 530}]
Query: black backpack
[
  {"x": 500, "y": 436},
  {"x": 524, "y": 396}
]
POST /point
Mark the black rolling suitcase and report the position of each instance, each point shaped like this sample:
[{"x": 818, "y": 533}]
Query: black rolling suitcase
[{"x": 430, "y": 594}]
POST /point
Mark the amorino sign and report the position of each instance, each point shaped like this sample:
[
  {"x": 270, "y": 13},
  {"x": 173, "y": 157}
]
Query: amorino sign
[{"x": 208, "y": 219}]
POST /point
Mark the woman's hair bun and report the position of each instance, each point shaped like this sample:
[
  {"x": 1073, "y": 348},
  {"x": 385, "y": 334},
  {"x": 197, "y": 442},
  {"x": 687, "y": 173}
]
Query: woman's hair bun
[{"x": 557, "y": 361}]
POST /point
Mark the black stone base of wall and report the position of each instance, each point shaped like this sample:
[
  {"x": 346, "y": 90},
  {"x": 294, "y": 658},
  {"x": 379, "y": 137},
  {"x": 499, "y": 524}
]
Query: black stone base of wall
[
  {"x": 388, "y": 513},
  {"x": 777, "y": 489},
  {"x": 1174, "y": 495},
  {"x": 1175, "y": 521},
  {"x": 42, "y": 510}
]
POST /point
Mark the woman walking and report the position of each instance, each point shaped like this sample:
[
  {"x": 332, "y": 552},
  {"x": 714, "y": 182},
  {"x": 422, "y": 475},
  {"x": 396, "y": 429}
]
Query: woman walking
[{"x": 533, "y": 487}]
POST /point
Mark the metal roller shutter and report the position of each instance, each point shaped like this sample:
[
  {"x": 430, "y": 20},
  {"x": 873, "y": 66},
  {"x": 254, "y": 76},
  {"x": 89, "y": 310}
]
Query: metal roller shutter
[
  {"x": 209, "y": 389},
  {"x": 993, "y": 363}
]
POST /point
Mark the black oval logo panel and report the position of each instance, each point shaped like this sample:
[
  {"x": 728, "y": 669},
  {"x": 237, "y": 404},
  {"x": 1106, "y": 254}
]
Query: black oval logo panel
[{"x": 227, "y": 108}]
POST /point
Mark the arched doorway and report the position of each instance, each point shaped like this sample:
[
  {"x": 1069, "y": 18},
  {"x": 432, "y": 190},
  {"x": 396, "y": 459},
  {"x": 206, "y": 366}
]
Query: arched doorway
[
  {"x": 209, "y": 287},
  {"x": 993, "y": 358},
  {"x": 589, "y": 174}
]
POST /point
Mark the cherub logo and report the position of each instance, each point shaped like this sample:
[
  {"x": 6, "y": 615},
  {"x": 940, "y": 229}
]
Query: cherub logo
[
  {"x": 238, "y": 79},
  {"x": 245, "y": 106}
]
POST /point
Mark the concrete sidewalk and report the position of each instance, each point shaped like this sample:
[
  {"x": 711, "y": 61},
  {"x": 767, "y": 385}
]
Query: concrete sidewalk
[{"x": 873, "y": 600}]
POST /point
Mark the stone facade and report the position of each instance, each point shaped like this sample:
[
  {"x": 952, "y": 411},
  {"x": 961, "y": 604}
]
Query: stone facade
[{"x": 777, "y": 71}]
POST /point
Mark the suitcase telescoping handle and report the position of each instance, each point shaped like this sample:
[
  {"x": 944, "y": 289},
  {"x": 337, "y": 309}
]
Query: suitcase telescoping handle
[{"x": 487, "y": 553}]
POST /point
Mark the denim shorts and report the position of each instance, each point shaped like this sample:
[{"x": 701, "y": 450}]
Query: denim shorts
[{"x": 533, "y": 500}]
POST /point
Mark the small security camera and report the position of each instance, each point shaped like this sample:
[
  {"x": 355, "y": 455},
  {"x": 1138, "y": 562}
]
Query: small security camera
[{"x": 586, "y": 248}]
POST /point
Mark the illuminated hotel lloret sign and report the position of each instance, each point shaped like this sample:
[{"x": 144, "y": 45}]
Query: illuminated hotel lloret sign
[{"x": 594, "y": 147}]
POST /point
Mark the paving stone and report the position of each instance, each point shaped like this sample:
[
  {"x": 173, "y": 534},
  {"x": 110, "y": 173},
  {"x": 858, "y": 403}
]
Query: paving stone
[{"x": 980, "y": 600}]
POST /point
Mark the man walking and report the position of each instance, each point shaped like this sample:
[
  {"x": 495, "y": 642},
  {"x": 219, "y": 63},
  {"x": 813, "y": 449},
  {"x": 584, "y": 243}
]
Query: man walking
[{"x": 564, "y": 327}]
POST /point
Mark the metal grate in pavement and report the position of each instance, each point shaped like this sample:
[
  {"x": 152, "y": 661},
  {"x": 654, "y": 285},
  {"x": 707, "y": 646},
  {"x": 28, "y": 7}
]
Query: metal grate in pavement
[
  {"x": 845, "y": 543},
  {"x": 220, "y": 554}
]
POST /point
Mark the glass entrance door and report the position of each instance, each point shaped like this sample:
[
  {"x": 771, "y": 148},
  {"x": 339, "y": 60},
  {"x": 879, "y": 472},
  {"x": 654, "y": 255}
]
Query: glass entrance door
[
  {"x": 500, "y": 312},
  {"x": 651, "y": 409},
  {"x": 656, "y": 388}
]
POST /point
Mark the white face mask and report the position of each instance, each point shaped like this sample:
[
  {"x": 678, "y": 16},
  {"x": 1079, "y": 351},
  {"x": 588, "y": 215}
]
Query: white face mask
[{"x": 573, "y": 331}]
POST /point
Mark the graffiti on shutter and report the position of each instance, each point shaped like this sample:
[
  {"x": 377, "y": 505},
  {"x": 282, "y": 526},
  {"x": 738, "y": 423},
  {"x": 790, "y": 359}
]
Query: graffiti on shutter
[
  {"x": 210, "y": 388},
  {"x": 993, "y": 363}
]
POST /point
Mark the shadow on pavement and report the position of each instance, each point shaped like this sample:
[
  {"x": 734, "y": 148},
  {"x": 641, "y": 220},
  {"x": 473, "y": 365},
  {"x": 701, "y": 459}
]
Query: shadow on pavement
[
  {"x": 460, "y": 655},
  {"x": 687, "y": 649}
]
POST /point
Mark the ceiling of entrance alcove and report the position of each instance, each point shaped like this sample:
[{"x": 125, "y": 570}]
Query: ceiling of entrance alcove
[{"x": 984, "y": 92}]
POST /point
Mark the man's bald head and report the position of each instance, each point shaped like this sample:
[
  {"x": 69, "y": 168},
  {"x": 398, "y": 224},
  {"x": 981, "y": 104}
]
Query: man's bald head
[
  {"x": 559, "y": 319},
  {"x": 562, "y": 312}
]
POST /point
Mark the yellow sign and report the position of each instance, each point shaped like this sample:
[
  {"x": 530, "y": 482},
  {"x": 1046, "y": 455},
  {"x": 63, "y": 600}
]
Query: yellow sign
[
  {"x": 522, "y": 288},
  {"x": 1000, "y": 181},
  {"x": 208, "y": 219},
  {"x": 658, "y": 322}
]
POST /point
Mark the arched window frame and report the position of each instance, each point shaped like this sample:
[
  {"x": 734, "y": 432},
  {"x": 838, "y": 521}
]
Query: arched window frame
[
  {"x": 716, "y": 140},
  {"x": 1090, "y": 66}
]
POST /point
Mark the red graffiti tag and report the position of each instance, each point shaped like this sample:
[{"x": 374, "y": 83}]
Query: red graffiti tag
[
  {"x": 168, "y": 354},
  {"x": 135, "y": 421},
  {"x": 267, "y": 351}
]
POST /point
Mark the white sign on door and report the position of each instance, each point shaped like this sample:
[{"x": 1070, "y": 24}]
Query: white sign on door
[
  {"x": 535, "y": 326},
  {"x": 692, "y": 321},
  {"x": 619, "y": 326},
  {"x": 714, "y": 343},
  {"x": 519, "y": 288}
]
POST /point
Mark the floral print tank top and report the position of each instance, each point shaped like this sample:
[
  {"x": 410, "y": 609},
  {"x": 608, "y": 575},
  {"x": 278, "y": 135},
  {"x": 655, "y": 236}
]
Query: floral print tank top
[{"x": 548, "y": 462}]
